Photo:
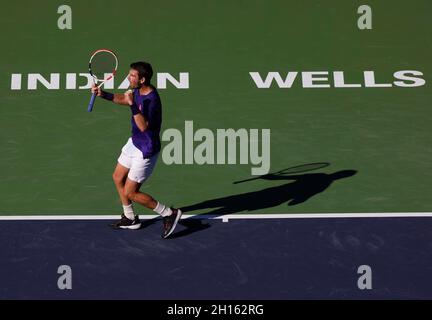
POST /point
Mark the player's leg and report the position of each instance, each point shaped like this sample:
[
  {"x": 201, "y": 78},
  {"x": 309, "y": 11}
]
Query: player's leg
[
  {"x": 132, "y": 193},
  {"x": 119, "y": 177},
  {"x": 141, "y": 170},
  {"x": 171, "y": 216},
  {"x": 128, "y": 220}
]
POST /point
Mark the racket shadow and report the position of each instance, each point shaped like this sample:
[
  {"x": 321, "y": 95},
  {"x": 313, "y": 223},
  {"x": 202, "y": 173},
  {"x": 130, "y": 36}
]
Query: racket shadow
[{"x": 297, "y": 189}]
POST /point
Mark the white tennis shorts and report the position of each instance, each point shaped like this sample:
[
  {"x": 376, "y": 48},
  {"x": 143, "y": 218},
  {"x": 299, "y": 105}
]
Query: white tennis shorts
[{"x": 131, "y": 157}]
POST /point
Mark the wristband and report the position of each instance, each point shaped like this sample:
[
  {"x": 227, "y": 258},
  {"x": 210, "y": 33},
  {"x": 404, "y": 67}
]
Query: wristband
[
  {"x": 107, "y": 95},
  {"x": 134, "y": 109}
]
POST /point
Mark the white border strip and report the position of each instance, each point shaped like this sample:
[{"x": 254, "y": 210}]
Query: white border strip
[{"x": 231, "y": 216}]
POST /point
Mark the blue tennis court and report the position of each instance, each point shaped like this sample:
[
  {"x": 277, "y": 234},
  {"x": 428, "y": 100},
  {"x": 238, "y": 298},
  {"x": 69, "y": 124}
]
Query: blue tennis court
[{"x": 210, "y": 259}]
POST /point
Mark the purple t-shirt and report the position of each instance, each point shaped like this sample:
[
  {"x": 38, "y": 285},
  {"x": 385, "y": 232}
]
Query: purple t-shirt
[{"x": 151, "y": 108}]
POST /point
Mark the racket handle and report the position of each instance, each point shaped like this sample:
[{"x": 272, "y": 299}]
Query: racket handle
[{"x": 91, "y": 103}]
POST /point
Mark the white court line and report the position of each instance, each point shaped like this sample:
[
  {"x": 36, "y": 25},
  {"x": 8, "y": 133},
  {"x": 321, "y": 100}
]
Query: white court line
[{"x": 227, "y": 217}]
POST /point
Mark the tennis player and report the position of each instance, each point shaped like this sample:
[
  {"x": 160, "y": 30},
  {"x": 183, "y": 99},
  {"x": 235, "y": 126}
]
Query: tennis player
[{"x": 140, "y": 153}]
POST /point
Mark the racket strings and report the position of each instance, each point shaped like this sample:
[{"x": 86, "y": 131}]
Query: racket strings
[
  {"x": 101, "y": 64},
  {"x": 303, "y": 168}
]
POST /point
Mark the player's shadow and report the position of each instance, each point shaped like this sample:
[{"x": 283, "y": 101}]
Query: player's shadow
[
  {"x": 299, "y": 189},
  {"x": 149, "y": 222}
]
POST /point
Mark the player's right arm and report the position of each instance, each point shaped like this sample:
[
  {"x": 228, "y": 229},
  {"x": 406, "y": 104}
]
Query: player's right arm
[{"x": 118, "y": 98}]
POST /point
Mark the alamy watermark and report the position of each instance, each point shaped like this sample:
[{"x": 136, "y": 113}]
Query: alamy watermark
[
  {"x": 364, "y": 22},
  {"x": 222, "y": 146},
  {"x": 65, "y": 20},
  {"x": 365, "y": 280},
  {"x": 64, "y": 282}
]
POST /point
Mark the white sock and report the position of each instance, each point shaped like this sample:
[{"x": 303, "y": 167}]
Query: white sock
[
  {"x": 128, "y": 212},
  {"x": 163, "y": 210}
]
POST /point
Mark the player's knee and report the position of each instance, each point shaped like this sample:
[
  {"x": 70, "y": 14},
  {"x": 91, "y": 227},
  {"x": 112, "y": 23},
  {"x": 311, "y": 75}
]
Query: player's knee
[
  {"x": 127, "y": 193},
  {"x": 118, "y": 178},
  {"x": 130, "y": 195}
]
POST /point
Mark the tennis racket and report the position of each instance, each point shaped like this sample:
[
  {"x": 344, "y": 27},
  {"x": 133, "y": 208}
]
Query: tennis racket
[
  {"x": 102, "y": 67},
  {"x": 291, "y": 170}
]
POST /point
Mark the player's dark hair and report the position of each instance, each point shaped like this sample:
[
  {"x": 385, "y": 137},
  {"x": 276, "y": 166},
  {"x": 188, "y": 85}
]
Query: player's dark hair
[{"x": 144, "y": 69}]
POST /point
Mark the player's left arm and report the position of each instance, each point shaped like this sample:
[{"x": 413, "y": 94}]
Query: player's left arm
[{"x": 140, "y": 120}]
